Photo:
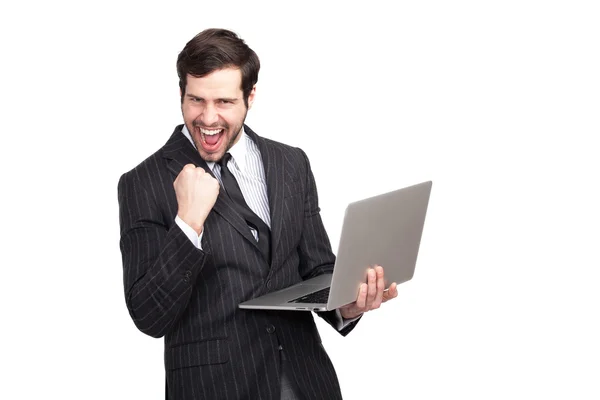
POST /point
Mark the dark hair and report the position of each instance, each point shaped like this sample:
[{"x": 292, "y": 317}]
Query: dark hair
[{"x": 215, "y": 49}]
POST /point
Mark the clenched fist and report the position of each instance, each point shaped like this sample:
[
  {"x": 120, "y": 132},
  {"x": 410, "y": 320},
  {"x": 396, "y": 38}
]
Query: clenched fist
[{"x": 196, "y": 192}]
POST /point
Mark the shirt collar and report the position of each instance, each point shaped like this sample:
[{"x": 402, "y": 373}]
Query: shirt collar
[{"x": 238, "y": 151}]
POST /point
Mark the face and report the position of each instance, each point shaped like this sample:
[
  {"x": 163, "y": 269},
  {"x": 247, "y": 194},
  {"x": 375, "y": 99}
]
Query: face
[{"x": 214, "y": 111}]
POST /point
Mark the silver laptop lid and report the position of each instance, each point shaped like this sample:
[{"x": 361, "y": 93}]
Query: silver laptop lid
[{"x": 382, "y": 230}]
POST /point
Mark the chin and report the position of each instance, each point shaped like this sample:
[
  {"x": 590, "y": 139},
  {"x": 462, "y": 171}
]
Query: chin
[{"x": 212, "y": 157}]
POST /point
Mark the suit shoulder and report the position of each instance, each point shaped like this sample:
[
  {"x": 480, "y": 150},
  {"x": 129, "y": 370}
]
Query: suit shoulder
[
  {"x": 294, "y": 155},
  {"x": 153, "y": 167}
]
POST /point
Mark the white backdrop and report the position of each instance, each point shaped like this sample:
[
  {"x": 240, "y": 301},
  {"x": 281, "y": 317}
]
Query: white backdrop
[{"x": 496, "y": 102}]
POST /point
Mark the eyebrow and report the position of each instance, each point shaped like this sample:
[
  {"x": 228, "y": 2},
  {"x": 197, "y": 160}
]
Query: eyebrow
[{"x": 231, "y": 99}]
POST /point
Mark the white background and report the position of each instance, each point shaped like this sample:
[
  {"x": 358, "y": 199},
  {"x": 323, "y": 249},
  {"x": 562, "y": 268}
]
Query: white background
[{"x": 497, "y": 102}]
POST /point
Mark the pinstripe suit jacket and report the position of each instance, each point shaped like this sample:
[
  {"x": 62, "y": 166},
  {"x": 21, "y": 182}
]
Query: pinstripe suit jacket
[{"x": 213, "y": 349}]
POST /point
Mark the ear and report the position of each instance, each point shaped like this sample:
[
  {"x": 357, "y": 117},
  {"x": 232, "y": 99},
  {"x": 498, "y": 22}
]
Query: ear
[{"x": 251, "y": 97}]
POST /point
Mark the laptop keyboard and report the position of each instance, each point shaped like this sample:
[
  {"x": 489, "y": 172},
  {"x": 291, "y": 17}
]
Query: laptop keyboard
[{"x": 317, "y": 297}]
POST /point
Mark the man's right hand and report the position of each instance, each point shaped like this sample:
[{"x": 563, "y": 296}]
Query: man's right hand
[{"x": 196, "y": 192}]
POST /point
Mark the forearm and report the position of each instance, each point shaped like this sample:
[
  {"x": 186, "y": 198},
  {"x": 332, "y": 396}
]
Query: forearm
[
  {"x": 160, "y": 264},
  {"x": 316, "y": 256},
  {"x": 158, "y": 289}
]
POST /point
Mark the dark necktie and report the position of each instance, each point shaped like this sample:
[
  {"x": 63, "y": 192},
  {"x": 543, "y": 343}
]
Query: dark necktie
[{"x": 235, "y": 194}]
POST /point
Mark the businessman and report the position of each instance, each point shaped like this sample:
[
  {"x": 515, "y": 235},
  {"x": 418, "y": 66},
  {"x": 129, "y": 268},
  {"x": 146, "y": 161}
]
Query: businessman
[{"x": 220, "y": 215}]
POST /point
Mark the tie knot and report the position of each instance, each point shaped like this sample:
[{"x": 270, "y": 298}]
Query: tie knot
[{"x": 224, "y": 160}]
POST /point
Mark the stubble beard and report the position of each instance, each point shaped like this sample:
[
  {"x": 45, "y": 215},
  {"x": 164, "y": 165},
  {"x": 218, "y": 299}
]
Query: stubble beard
[
  {"x": 225, "y": 126},
  {"x": 211, "y": 157}
]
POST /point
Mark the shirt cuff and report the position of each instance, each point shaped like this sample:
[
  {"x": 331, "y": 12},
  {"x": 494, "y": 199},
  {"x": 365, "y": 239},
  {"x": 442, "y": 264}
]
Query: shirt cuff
[
  {"x": 342, "y": 322},
  {"x": 190, "y": 232}
]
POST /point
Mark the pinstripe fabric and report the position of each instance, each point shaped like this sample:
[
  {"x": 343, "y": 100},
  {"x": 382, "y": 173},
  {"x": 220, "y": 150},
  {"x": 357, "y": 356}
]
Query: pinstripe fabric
[
  {"x": 213, "y": 349},
  {"x": 288, "y": 390}
]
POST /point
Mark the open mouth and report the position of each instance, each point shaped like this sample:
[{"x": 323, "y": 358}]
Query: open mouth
[{"x": 211, "y": 137}]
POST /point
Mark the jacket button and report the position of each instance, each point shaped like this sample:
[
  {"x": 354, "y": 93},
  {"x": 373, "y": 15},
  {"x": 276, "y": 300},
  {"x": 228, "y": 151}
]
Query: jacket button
[
  {"x": 188, "y": 274},
  {"x": 269, "y": 284},
  {"x": 270, "y": 329}
]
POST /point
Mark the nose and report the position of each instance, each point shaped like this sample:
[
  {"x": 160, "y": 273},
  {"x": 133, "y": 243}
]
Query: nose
[{"x": 209, "y": 115}]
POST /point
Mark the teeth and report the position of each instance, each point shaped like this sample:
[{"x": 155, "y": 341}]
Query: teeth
[{"x": 210, "y": 132}]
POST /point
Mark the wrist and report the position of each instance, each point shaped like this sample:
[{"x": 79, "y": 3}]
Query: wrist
[{"x": 197, "y": 226}]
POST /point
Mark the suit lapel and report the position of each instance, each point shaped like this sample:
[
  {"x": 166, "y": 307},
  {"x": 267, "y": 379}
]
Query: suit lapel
[
  {"x": 275, "y": 174},
  {"x": 180, "y": 151}
]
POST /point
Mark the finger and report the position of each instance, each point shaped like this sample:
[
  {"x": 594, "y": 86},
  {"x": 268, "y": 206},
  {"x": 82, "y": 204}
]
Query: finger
[
  {"x": 380, "y": 287},
  {"x": 189, "y": 167},
  {"x": 362, "y": 297},
  {"x": 185, "y": 171},
  {"x": 350, "y": 311},
  {"x": 394, "y": 290},
  {"x": 391, "y": 293},
  {"x": 372, "y": 287}
]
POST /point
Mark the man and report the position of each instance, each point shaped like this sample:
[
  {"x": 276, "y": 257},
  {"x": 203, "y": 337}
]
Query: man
[{"x": 193, "y": 250}]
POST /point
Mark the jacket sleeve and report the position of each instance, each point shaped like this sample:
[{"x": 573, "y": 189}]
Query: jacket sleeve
[
  {"x": 316, "y": 256},
  {"x": 160, "y": 264}
]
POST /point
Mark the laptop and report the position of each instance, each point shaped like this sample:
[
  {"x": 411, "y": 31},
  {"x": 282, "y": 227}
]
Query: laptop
[{"x": 382, "y": 230}]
